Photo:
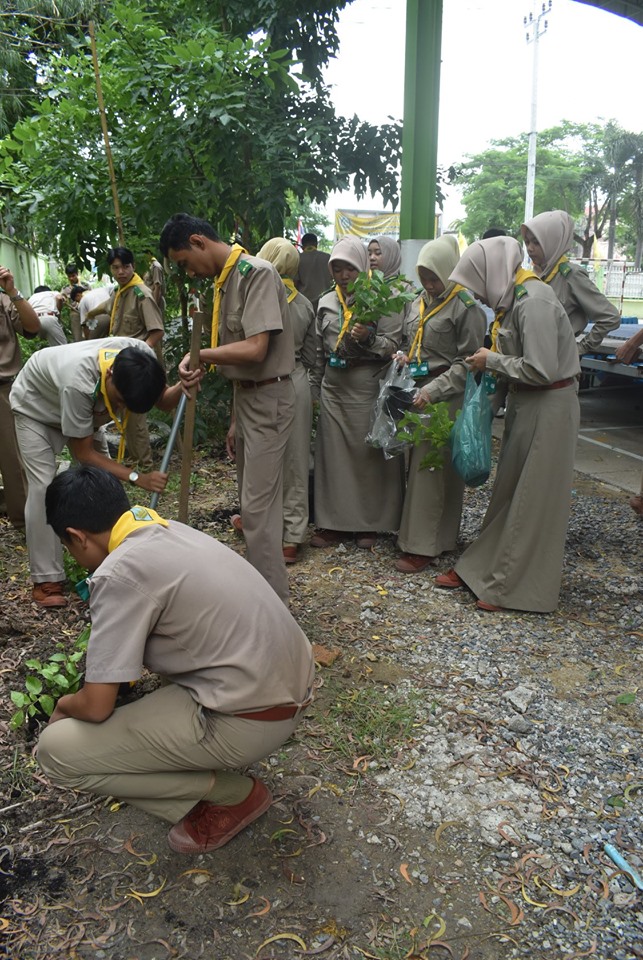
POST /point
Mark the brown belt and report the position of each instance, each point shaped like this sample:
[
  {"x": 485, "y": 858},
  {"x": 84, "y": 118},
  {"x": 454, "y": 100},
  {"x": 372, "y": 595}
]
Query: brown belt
[
  {"x": 285, "y": 712},
  {"x": 249, "y": 384},
  {"x": 556, "y": 385}
]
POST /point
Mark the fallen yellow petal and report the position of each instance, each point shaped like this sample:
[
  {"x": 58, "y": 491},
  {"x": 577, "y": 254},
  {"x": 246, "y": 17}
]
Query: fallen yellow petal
[
  {"x": 404, "y": 870},
  {"x": 152, "y": 893},
  {"x": 283, "y": 936}
]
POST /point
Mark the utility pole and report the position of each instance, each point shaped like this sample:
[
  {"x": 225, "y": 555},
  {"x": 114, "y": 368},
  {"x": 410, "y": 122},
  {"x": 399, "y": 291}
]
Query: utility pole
[{"x": 535, "y": 27}]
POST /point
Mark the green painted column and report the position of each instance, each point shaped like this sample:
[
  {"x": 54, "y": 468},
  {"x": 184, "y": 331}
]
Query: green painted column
[{"x": 420, "y": 133}]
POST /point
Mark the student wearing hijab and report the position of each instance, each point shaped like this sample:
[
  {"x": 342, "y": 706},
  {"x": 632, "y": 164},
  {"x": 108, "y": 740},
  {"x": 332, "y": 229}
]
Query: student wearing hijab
[
  {"x": 444, "y": 326},
  {"x": 517, "y": 559},
  {"x": 285, "y": 258},
  {"x": 384, "y": 254},
  {"x": 356, "y": 489},
  {"x": 548, "y": 238}
]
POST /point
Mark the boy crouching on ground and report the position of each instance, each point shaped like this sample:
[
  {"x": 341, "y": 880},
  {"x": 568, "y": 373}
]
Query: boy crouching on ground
[{"x": 240, "y": 670}]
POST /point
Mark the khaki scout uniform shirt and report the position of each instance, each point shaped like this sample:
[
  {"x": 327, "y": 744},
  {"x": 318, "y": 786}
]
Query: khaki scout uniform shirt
[
  {"x": 583, "y": 303},
  {"x": 313, "y": 277},
  {"x": 59, "y": 387},
  {"x": 190, "y": 609},
  {"x": 535, "y": 342},
  {"x": 253, "y": 301},
  {"x": 453, "y": 333},
  {"x": 154, "y": 278},
  {"x": 10, "y": 325},
  {"x": 137, "y": 313}
]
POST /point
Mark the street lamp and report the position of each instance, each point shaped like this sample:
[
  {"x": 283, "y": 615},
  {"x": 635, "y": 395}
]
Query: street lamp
[{"x": 535, "y": 27}]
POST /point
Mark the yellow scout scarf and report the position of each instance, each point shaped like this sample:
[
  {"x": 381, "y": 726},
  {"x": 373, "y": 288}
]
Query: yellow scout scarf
[
  {"x": 228, "y": 267},
  {"x": 347, "y": 315},
  {"x": 105, "y": 360},
  {"x": 554, "y": 270},
  {"x": 290, "y": 287},
  {"x": 135, "y": 519},
  {"x": 522, "y": 276},
  {"x": 131, "y": 283},
  {"x": 417, "y": 340}
]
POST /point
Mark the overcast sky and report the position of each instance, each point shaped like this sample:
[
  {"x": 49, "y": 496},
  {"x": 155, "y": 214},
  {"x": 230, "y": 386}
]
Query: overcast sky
[{"x": 590, "y": 67}]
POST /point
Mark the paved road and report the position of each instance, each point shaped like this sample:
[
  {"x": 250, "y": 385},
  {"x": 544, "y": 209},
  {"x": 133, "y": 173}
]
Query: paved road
[{"x": 610, "y": 441}]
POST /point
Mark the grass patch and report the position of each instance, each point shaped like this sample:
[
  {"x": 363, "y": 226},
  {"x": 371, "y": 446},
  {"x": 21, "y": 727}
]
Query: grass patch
[{"x": 368, "y": 720}]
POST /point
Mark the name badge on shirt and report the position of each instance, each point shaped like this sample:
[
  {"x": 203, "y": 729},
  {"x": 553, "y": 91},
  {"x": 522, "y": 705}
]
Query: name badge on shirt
[
  {"x": 490, "y": 383},
  {"x": 335, "y": 361},
  {"x": 419, "y": 369}
]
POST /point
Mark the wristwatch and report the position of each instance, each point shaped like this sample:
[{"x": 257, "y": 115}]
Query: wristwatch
[
  {"x": 16, "y": 297},
  {"x": 133, "y": 477}
]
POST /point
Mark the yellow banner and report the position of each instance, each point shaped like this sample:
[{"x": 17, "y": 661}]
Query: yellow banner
[{"x": 366, "y": 223}]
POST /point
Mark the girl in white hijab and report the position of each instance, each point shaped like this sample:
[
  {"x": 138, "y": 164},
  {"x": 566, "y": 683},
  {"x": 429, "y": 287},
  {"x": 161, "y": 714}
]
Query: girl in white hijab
[
  {"x": 548, "y": 238},
  {"x": 357, "y": 491},
  {"x": 516, "y": 561},
  {"x": 444, "y": 325}
]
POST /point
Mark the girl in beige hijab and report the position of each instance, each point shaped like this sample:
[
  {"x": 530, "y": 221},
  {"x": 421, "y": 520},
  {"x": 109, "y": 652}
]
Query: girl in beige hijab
[
  {"x": 357, "y": 491},
  {"x": 444, "y": 325},
  {"x": 548, "y": 238},
  {"x": 285, "y": 258},
  {"x": 384, "y": 254},
  {"x": 516, "y": 561}
]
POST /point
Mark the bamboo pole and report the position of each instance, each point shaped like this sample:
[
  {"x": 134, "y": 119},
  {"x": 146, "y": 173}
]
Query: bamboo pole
[
  {"x": 190, "y": 414},
  {"x": 108, "y": 149}
]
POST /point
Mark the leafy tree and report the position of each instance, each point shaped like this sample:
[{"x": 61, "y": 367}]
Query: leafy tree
[{"x": 205, "y": 113}]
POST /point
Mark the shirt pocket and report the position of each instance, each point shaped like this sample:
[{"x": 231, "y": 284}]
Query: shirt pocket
[
  {"x": 508, "y": 342},
  {"x": 233, "y": 322}
]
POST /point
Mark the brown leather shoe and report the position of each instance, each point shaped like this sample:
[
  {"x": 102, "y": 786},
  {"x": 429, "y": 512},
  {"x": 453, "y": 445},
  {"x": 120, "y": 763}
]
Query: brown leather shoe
[
  {"x": 236, "y": 522},
  {"x": 366, "y": 540},
  {"x": 488, "y": 607},
  {"x": 327, "y": 538},
  {"x": 208, "y": 826},
  {"x": 413, "y": 562},
  {"x": 49, "y": 594},
  {"x": 449, "y": 580},
  {"x": 290, "y": 552}
]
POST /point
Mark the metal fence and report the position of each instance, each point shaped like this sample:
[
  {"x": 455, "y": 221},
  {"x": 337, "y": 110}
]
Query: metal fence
[{"x": 617, "y": 279}]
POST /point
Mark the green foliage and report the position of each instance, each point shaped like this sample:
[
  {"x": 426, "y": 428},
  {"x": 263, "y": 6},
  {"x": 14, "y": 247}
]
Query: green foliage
[
  {"x": 51, "y": 679},
  {"x": 374, "y": 297},
  {"x": 432, "y": 426},
  {"x": 207, "y": 112}
]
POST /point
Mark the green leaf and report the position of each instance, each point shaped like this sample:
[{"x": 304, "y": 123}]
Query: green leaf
[
  {"x": 33, "y": 685},
  {"x": 47, "y": 703},
  {"x": 626, "y": 698},
  {"x": 17, "y": 720}
]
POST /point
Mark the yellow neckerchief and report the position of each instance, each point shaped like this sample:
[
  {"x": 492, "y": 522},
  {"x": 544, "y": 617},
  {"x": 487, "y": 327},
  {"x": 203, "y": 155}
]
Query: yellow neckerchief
[
  {"x": 290, "y": 286},
  {"x": 521, "y": 276},
  {"x": 131, "y": 520},
  {"x": 554, "y": 269},
  {"x": 417, "y": 340},
  {"x": 106, "y": 358},
  {"x": 130, "y": 283},
  {"x": 235, "y": 252},
  {"x": 347, "y": 315}
]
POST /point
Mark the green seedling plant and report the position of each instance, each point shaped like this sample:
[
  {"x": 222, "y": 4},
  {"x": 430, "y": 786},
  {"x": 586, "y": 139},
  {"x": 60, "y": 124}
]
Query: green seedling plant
[
  {"x": 432, "y": 426},
  {"x": 49, "y": 680},
  {"x": 374, "y": 297}
]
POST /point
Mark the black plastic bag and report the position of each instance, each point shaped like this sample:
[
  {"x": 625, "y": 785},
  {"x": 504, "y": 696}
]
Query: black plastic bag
[{"x": 397, "y": 392}]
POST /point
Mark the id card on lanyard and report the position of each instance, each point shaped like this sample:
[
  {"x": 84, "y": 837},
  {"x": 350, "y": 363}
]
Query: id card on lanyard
[
  {"x": 419, "y": 369},
  {"x": 335, "y": 361}
]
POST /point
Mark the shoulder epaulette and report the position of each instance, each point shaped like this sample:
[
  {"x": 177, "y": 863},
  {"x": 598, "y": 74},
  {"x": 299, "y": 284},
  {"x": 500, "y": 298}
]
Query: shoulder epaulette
[
  {"x": 139, "y": 293},
  {"x": 244, "y": 267},
  {"x": 520, "y": 291},
  {"x": 466, "y": 298},
  {"x": 564, "y": 269}
]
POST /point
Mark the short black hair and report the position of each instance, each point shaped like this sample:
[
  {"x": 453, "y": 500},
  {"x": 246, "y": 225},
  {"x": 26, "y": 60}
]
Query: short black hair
[
  {"x": 85, "y": 498},
  {"x": 71, "y": 268},
  {"x": 176, "y": 233},
  {"x": 139, "y": 378},
  {"x": 75, "y": 290},
  {"x": 42, "y": 289},
  {"x": 120, "y": 253},
  {"x": 309, "y": 239},
  {"x": 493, "y": 232}
]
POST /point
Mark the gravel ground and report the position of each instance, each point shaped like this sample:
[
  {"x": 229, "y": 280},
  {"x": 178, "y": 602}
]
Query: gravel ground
[{"x": 479, "y": 836}]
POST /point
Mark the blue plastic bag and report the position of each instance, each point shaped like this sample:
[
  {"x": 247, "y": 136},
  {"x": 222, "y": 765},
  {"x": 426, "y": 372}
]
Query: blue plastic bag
[{"x": 471, "y": 435}]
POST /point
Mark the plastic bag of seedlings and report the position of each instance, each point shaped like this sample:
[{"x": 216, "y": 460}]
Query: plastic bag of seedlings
[{"x": 397, "y": 392}]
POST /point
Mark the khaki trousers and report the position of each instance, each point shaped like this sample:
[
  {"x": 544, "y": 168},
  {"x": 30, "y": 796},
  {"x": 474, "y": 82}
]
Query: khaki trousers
[
  {"x": 163, "y": 753},
  {"x": 297, "y": 462},
  {"x": 39, "y": 446},
  {"x": 13, "y": 475},
  {"x": 137, "y": 439},
  {"x": 264, "y": 417}
]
